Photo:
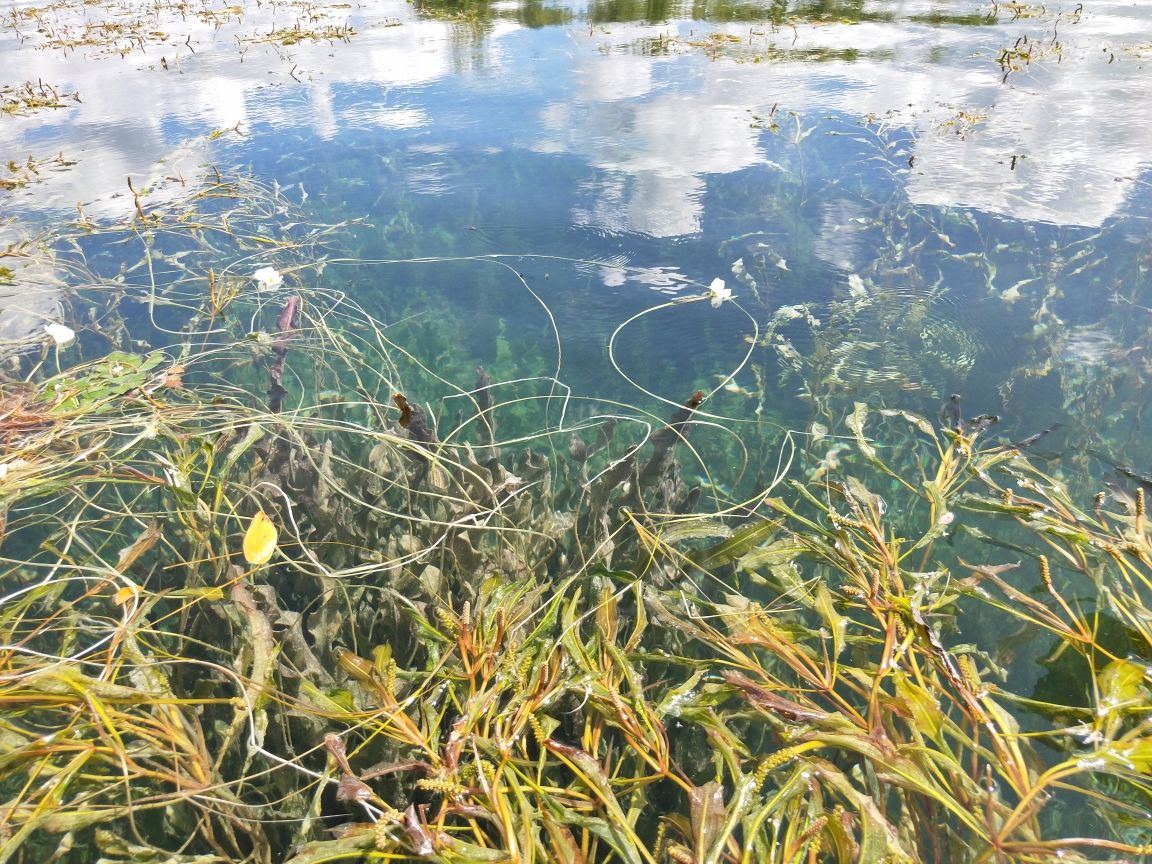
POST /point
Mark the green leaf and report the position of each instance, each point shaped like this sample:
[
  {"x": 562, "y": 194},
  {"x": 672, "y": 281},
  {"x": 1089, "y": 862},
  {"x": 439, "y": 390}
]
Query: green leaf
[
  {"x": 837, "y": 623},
  {"x": 252, "y": 434},
  {"x": 345, "y": 848},
  {"x": 741, "y": 541},
  {"x": 548, "y": 623},
  {"x": 775, "y": 554},
  {"x": 920, "y": 704},
  {"x": 855, "y": 423},
  {"x": 879, "y": 839},
  {"x": 675, "y": 697},
  {"x": 616, "y": 829},
  {"x": 1137, "y": 754},
  {"x": 695, "y": 529},
  {"x": 603, "y": 829},
  {"x": 94, "y": 386},
  {"x": 332, "y": 702},
  {"x": 463, "y": 852},
  {"x": 915, "y": 419}
]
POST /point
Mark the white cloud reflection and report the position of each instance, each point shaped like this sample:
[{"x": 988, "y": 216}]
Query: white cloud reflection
[
  {"x": 655, "y": 144},
  {"x": 664, "y": 122},
  {"x": 654, "y": 125},
  {"x": 1077, "y": 120}
]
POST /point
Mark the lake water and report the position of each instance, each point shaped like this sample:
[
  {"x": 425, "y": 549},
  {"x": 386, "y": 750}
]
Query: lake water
[
  {"x": 957, "y": 193},
  {"x": 905, "y": 200}
]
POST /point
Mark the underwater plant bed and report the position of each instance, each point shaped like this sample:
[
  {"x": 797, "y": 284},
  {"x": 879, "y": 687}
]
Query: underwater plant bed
[{"x": 278, "y": 588}]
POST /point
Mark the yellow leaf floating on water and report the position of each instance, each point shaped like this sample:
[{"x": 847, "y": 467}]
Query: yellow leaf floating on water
[{"x": 259, "y": 540}]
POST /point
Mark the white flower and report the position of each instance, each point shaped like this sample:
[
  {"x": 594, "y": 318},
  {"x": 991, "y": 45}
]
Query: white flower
[
  {"x": 268, "y": 279},
  {"x": 719, "y": 292},
  {"x": 782, "y": 264},
  {"x": 62, "y": 335}
]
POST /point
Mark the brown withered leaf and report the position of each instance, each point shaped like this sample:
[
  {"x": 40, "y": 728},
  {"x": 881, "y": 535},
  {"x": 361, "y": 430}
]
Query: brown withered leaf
[
  {"x": 764, "y": 698},
  {"x": 417, "y": 834},
  {"x": 405, "y": 409},
  {"x": 353, "y": 788}
]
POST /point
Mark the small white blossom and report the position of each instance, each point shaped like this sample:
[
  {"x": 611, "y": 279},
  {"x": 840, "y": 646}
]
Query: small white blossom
[
  {"x": 61, "y": 334},
  {"x": 268, "y": 279},
  {"x": 718, "y": 292},
  {"x": 782, "y": 264}
]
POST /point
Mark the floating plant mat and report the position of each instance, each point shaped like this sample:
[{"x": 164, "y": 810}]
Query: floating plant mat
[{"x": 278, "y": 587}]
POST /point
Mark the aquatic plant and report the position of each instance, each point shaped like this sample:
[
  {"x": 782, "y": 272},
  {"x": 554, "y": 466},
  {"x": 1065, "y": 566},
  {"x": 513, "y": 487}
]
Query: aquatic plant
[
  {"x": 274, "y": 587},
  {"x": 28, "y": 98}
]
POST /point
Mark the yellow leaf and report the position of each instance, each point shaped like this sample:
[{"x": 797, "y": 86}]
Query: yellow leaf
[
  {"x": 259, "y": 540},
  {"x": 1120, "y": 683}
]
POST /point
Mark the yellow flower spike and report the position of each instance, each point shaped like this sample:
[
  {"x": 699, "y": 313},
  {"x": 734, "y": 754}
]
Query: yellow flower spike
[{"x": 260, "y": 540}]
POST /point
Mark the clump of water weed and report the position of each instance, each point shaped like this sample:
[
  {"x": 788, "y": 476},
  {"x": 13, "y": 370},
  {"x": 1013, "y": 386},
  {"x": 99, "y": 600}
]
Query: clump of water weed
[{"x": 320, "y": 621}]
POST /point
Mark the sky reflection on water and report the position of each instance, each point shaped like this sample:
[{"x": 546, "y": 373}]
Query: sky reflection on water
[{"x": 665, "y": 104}]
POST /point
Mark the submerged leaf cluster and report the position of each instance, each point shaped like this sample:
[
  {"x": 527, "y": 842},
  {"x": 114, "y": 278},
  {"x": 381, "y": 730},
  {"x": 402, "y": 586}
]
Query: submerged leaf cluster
[{"x": 322, "y": 621}]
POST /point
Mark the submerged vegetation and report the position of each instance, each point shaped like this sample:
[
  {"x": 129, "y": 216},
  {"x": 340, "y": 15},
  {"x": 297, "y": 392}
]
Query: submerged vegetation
[
  {"x": 276, "y": 587},
  {"x": 299, "y": 564}
]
